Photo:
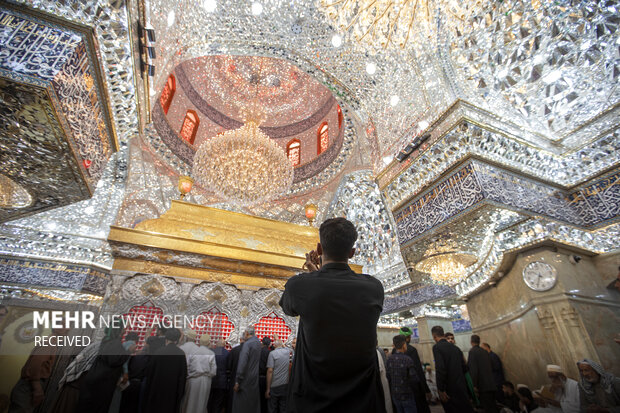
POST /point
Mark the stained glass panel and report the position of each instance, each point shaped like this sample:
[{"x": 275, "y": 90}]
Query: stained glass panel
[
  {"x": 293, "y": 151},
  {"x": 190, "y": 127},
  {"x": 168, "y": 93},
  {"x": 272, "y": 326},
  {"x": 142, "y": 318},
  {"x": 215, "y": 323},
  {"x": 323, "y": 138}
]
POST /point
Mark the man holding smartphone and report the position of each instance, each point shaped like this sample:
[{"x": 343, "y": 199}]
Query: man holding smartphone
[{"x": 335, "y": 368}]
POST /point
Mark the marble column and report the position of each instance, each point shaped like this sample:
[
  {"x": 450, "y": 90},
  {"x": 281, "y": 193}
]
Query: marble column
[{"x": 385, "y": 336}]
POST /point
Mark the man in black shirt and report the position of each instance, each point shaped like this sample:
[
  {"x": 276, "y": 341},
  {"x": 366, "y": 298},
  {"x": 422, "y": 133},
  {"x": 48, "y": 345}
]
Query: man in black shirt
[
  {"x": 262, "y": 372},
  {"x": 335, "y": 368},
  {"x": 231, "y": 369},
  {"x": 511, "y": 400},
  {"x": 498, "y": 371},
  {"x": 219, "y": 385},
  {"x": 479, "y": 363},
  {"x": 450, "y": 373}
]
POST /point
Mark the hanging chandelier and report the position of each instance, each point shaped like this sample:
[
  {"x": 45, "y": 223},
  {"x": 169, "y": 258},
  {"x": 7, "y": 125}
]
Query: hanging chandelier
[
  {"x": 396, "y": 23},
  {"x": 444, "y": 265},
  {"x": 243, "y": 166}
]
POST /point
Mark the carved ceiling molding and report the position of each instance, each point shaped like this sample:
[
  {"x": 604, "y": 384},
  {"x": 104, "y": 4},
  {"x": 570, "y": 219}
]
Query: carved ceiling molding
[
  {"x": 185, "y": 152},
  {"x": 488, "y": 211},
  {"x": 56, "y": 119},
  {"x": 225, "y": 121},
  {"x": 593, "y": 205},
  {"x": 243, "y": 308},
  {"x": 501, "y": 141}
]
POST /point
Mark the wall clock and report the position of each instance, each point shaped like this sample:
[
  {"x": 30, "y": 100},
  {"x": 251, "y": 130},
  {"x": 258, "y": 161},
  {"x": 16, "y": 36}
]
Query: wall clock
[{"x": 540, "y": 276}]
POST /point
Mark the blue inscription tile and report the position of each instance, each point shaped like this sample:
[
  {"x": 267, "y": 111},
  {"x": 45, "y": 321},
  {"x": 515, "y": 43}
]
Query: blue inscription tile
[{"x": 44, "y": 274}]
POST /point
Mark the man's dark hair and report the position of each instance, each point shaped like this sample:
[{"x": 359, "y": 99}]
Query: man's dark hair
[
  {"x": 487, "y": 345},
  {"x": 527, "y": 393},
  {"x": 509, "y": 385},
  {"x": 173, "y": 335},
  {"x": 154, "y": 343},
  {"x": 437, "y": 331},
  {"x": 398, "y": 341},
  {"x": 475, "y": 339},
  {"x": 337, "y": 235},
  {"x": 449, "y": 334},
  {"x": 132, "y": 336}
]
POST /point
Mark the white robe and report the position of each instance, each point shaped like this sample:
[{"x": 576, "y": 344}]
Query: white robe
[
  {"x": 384, "y": 383},
  {"x": 569, "y": 399},
  {"x": 201, "y": 368},
  {"x": 431, "y": 380}
]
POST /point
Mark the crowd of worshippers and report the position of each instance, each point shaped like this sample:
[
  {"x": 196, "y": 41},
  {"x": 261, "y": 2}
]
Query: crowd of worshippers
[
  {"x": 173, "y": 373},
  {"x": 478, "y": 383},
  {"x": 178, "y": 373},
  {"x": 335, "y": 365}
]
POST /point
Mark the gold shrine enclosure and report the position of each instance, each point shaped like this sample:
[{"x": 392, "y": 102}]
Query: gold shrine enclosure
[{"x": 206, "y": 244}]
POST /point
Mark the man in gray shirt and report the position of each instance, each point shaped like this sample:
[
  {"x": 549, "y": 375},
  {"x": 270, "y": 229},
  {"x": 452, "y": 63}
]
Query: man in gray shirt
[{"x": 277, "y": 377}]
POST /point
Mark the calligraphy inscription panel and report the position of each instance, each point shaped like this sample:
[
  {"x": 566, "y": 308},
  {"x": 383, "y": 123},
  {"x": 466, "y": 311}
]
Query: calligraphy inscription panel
[
  {"x": 476, "y": 183},
  {"x": 54, "y": 65}
]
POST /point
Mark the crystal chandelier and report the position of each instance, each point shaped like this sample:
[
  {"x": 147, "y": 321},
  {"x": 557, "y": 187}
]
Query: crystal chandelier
[
  {"x": 243, "y": 166},
  {"x": 393, "y": 23},
  {"x": 445, "y": 265}
]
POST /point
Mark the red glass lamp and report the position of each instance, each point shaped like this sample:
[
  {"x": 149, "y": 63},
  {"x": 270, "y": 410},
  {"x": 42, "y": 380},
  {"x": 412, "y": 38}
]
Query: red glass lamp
[
  {"x": 185, "y": 185},
  {"x": 310, "y": 213}
]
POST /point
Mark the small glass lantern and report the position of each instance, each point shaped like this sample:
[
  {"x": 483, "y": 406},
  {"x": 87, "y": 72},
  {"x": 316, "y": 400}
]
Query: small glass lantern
[
  {"x": 185, "y": 185},
  {"x": 310, "y": 213}
]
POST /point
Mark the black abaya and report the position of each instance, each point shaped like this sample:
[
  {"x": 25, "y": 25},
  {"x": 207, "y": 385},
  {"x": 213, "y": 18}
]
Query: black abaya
[
  {"x": 165, "y": 380},
  {"x": 97, "y": 388}
]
